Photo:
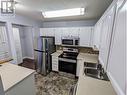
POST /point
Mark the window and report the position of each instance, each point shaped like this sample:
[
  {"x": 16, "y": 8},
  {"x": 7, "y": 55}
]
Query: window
[{"x": 4, "y": 45}]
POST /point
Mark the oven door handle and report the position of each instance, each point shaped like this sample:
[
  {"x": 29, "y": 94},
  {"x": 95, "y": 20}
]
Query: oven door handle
[{"x": 67, "y": 60}]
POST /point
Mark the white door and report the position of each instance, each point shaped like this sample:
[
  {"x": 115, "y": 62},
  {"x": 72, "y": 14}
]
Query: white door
[
  {"x": 85, "y": 34},
  {"x": 17, "y": 45}
]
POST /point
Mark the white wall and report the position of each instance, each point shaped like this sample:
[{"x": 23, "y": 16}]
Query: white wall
[
  {"x": 27, "y": 43},
  {"x": 28, "y": 46},
  {"x": 19, "y": 20},
  {"x": 22, "y": 40}
]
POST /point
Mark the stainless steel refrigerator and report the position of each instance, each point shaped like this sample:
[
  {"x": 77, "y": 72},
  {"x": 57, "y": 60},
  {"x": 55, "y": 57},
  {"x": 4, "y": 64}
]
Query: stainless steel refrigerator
[{"x": 46, "y": 46}]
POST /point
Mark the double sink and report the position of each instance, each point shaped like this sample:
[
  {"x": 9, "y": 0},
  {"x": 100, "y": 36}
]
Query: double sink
[{"x": 95, "y": 71}]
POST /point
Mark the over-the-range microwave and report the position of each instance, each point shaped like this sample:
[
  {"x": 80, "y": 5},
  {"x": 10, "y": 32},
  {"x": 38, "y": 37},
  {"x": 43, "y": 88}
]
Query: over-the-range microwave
[{"x": 71, "y": 41}]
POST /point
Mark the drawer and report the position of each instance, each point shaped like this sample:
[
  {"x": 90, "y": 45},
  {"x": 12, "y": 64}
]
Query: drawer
[
  {"x": 54, "y": 61},
  {"x": 54, "y": 58}
]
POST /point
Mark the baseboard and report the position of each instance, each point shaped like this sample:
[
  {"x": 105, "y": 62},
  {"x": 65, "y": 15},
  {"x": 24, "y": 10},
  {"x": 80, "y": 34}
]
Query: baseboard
[
  {"x": 115, "y": 85},
  {"x": 28, "y": 57}
]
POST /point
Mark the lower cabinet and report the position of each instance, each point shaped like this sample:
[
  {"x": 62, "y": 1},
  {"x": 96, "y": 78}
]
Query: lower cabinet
[
  {"x": 79, "y": 64},
  {"x": 24, "y": 87},
  {"x": 55, "y": 63}
]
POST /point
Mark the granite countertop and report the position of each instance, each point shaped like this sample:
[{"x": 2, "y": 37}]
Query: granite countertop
[
  {"x": 12, "y": 74},
  {"x": 91, "y": 86},
  {"x": 57, "y": 53},
  {"x": 86, "y": 57}
]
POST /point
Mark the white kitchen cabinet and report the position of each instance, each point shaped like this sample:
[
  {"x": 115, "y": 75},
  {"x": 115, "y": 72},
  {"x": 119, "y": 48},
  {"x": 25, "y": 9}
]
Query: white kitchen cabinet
[
  {"x": 85, "y": 35},
  {"x": 79, "y": 64},
  {"x": 58, "y": 36},
  {"x": 1, "y": 87},
  {"x": 55, "y": 63},
  {"x": 17, "y": 45},
  {"x": 106, "y": 37},
  {"x": 24, "y": 87},
  {"x": 118, "y": 55},
  {"x": 71, "y": 32},
  {"x": 97, "y": 35},
  {"x": 47, "y": 32}
]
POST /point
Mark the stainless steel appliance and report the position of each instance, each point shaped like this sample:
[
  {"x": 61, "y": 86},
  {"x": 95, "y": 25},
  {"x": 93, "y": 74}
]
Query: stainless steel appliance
[
  {"x": 46, "y": 46},
  {"x": 72, "y": 41},
  {"x": 68, "y": 60}
]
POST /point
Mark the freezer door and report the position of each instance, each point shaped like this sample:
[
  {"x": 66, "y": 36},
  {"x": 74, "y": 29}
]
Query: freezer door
[
  {"x": 44, "y": 57},
  {"x": 46, "y": 46}
]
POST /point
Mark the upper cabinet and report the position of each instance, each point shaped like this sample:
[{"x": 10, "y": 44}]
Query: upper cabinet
[
  {"x": 71, "y": 31},
  {"x": 47, "y": 32},
  {"x": 117, "y": 56},
  {"x": 58, "y": 36},
  {"x": 97, "y": 35},
  {"x": 85, "y": 35},
  {"x": 106, "y": 33}
]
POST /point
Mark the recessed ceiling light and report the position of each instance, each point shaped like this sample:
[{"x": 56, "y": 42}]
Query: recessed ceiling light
[{"x": 64, "y": 13}]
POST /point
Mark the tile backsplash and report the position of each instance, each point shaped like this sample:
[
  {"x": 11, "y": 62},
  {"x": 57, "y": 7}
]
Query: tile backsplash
[{"x": 81, "y": 49}]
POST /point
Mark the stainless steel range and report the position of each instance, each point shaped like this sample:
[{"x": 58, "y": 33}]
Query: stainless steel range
[{"x": 68, "y": 60}]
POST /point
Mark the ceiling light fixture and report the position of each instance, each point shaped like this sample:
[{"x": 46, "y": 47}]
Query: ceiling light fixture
[{"x": 64, "y": 13}]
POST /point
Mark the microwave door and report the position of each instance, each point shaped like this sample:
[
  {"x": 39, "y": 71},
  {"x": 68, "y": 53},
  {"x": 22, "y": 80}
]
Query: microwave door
[{"x": 67, "y": 42}]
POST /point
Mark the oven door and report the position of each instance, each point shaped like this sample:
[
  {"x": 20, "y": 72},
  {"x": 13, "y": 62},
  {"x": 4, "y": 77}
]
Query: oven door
[
  {"x": 67, "y": 42},
  {"x": 67, "y": 65}
]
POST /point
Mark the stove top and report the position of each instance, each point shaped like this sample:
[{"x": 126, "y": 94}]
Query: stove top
[{"x": 69, "y": 55}]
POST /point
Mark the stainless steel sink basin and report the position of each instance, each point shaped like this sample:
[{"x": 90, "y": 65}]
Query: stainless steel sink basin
[
  {"x": 93, "y": 65},
  {"x": 95, "y": 73}
]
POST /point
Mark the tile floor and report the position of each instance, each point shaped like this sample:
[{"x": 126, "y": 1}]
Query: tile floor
[{"x": 53, "y": 83}]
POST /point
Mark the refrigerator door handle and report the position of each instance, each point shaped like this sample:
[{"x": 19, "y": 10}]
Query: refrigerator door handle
[{"x": 39, "y": 50}]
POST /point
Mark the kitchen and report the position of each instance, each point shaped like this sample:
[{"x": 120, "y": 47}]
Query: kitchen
[{"x": 75, "y": 48}]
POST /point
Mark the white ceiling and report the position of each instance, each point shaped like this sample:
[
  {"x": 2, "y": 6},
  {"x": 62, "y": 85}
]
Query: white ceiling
[{"x": 33, "y": 8}]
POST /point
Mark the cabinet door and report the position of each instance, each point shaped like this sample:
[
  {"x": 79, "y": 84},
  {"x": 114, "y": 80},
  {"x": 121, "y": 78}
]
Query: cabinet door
[
  {"x": 47, "y": 32},
  {"x": 74, "y": 31},
  {"x": 54, "y": 63},
  {"x": 97, "y": 34},
  {"x": 71, "y": 31},
  {"x": 58, "y": 35},
  {"x": 85, "y": 36},
  {"x": 106, "y": 37},
  {"x": 65, "y": 32},
  {"x": 118, "y": 55},
  {"x": 1, "y": 87}
]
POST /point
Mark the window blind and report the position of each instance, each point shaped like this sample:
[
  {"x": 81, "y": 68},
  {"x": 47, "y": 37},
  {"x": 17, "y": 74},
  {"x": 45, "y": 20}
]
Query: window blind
[{"x": 4, "y": 45}]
